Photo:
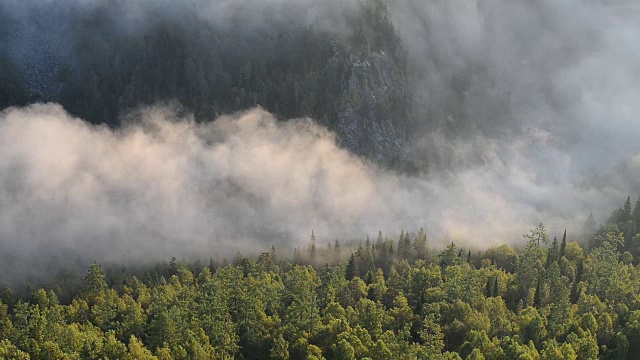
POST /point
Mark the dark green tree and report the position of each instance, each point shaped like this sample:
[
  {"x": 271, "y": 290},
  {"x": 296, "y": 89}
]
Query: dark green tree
[{"x": 352, "y": 268}]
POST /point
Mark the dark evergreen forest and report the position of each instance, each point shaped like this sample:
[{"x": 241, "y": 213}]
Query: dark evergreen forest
[{"x": 291, "y": 69}]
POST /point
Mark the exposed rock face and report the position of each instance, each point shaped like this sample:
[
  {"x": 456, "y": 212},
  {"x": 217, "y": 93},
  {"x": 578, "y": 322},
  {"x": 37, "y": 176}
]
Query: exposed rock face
[{"x": 369, "y": 122}]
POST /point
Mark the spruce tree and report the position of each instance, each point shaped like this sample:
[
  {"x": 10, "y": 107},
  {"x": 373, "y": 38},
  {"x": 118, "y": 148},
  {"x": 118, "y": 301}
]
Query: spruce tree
[
  {"x": 297, "y": 259},
  {"x": 173, "y": 266},
  {"x": 563, "y": 245},
  {"x": 537, "y": 297},
  {"x": 636, "y": 215},
  {"x": 379, "y": 240},
  {"x": 575, "y": 289},
  {"x": 404, "y": 245},
  {"x": 420, "y": 249},
  {"x": 312, "y": 248},
  {"x": 589, "y": 226},
  {"x": 553, "y": 252},
  {"x": 626, "y": 210},
  {"x": 352, "y": 268}
]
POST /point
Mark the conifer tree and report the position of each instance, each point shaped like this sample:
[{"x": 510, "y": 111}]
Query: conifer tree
[
  {"x": 297, "y": 259},
  {"x": 552, "y": 254},
  {"x": 626, "y": 211},
  {"x": 93, "y": 283},
  {"x": 420, "y": 247},
  {"x": 404, "y": 245},
  {"x": 538, "y": 294},
  {"x": 352, "y": 268},
  {"x": 312, "y": 248},
  {"x": 589, "y": 228},
  {"x": 379, "y": 240},
  {"x": 173, "y": 266},
  {"x": 636, "y": 215},
  {"x": 563, "y": 245},
  {"x": 575, "y": 289}
]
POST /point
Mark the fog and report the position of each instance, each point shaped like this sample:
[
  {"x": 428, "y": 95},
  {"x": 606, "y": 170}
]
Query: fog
[
  {"x": 565, "y": 72},
  {"x": 524, "y": 112},
  {"x": 166, "y": 186}
]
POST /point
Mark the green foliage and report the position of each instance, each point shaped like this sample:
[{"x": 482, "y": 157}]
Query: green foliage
[{"x": 563, "y": 302}]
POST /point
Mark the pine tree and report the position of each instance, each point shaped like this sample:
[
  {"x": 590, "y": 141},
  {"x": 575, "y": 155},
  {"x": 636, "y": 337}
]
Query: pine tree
[
  {"x": 93, "y": 283},
  {"x": 469, "y": 257},
  {"x": 400, "y": 242},
  {"x": 297, "y": 259},
  {"x": 352, "y": 268},
  {"x": 563, "y": 245},
  {"x": 447, "y": 257},
  {"x": 407, "y": 246},
  {"x": 368, "y": 278},
  {"x": 552, "y": 254},
  {"x": 336, "y": 249},
  {"x": 404, "y": 245},
  {"x": 636, "y": 215},
  {"x": 495, "y": 287},
  {"x": 538, "y": 294},
  {"x": 489, "y": 288},
  {"x": 420, "y": 247},
  {"x": 312, "y": 248},
  {"x": 173, "y": 266},
  {"x": 537, "y": 235},
  {"x": 589, "y": 227},
  {"x": 626, "y": 210},
  {"x": 575, "y": 289},
  {"x": 379, "y": 240}
]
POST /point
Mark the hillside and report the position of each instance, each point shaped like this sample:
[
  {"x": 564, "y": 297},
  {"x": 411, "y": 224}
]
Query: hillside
[{"x": 354, "y": 81}]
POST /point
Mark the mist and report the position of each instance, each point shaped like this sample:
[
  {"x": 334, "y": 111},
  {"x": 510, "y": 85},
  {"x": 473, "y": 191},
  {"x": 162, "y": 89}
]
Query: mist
[
  {"x": 164, "y": 186},
  {"x": 522, "y": 112},
  {"x": 565, "y": 73}
]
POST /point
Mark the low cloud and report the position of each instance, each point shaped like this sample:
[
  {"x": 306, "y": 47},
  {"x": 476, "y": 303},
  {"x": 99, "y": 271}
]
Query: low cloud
[{"x": 164, "y": 185}]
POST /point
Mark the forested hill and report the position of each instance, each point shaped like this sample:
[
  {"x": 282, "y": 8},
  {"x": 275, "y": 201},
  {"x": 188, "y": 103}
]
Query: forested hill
[
  {"x": 353, "y": 80},
  {"x": 549, "y": 299}
]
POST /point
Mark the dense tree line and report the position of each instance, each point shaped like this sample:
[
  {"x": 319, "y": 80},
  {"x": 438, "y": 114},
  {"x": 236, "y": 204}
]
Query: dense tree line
[{"x": 389, "y": 299}]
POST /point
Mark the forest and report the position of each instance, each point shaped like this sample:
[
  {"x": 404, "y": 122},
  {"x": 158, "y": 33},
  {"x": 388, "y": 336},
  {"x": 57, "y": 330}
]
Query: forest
[
  {"x": 467, "y": 117},
  {"x": 101, "y": 71},
  {"x": 380, "y": 299}
]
